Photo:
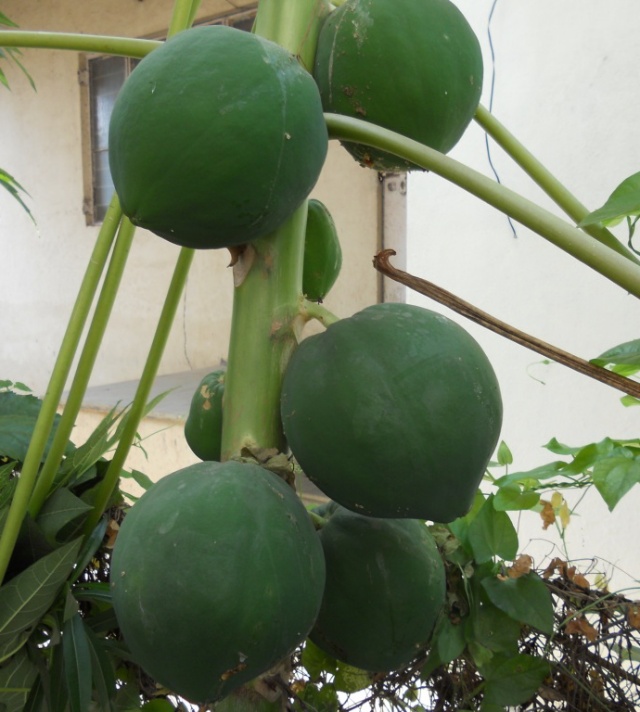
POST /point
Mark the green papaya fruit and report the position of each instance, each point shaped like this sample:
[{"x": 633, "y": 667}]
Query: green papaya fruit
[
  {"x": 216, "y": 138},
  {"x": 203, "y": 426},
  {"x": 217, "y": 574},
  {"x": 385, "y": 587},
  {"x": 322, "y": 252},
  {"x": 412, "y": 66},
  {"x": 393, "y": 412}
]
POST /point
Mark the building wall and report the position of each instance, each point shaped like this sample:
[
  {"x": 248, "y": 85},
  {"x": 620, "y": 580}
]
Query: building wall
[
  {"x": 564, "y": 78},
  {"x": 43, "y": 265}
]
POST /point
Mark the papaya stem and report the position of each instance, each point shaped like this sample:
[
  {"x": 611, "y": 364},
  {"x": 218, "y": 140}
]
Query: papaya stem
[
  {"x": 546, "y": 180},
  {"x": 59, "y": 375},
  {"x": 608, "y": 262},
  {"x": 312, "y": 310},
  {"x": 86, "y": 362},
  {"x": 263, "y": 335},
  {"x": 294, "y": 25},
  {"x": 107, "y": 486},
  {"x": 77, "y": 42}
]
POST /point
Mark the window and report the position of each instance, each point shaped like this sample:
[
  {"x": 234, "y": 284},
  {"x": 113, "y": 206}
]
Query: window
[{"x": 101, "y": 79}]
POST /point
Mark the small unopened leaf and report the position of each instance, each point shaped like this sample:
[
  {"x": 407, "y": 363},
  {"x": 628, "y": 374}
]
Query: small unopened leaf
[{"x": 526, "y": 599}]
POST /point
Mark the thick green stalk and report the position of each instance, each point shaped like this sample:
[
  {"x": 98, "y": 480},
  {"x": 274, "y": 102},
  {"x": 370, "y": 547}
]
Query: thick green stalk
[
  {"x": 547, "y": 181},
  {"x": 85, "y": 366},
  {"x": 263, "y": 335},
  {"x": 147, "y": 378},
  {"x": 60, "y": 373},
  {"x": 268, "y": 287},
  {"x": 293, "y": 24},
  {"x": 123, "y": 46},
  {"x": 608, "y": 262}
]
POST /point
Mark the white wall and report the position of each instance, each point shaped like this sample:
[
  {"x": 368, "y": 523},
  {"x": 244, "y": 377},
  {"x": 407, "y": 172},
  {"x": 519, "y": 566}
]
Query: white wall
[
  {"x": 42, "y": 269},
  {"x": 565, "y": 74}
]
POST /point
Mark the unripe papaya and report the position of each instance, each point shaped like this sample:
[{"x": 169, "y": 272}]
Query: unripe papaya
[
  {"x": 322, "y": 252},
  {"x": 385, "y": 587},
  {"x": 393, "y": 412},
  {"x": 216, "y": 138},
  {"x": 203, "y": 426},
  {"x": 217, "y": 574},
  {"x": 412, "y": 66}
]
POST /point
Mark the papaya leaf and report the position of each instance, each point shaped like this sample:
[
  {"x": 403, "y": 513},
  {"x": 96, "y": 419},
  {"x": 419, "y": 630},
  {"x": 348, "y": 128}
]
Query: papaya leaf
[
  {"x": 7, "y": 181},
  {"x": 90, "y": 547},
  {"x": 525, "y": 599},
  {"x": 513, "y": 680},
  {"x": 25, "y": 598},
  {"x": 514, "y": 498},
  {"x": 623, "y": 202},
  {"x": 615, "y": 475},
  {"x": 138, "y": 477},
  {"x": 350, "y": 679},
  {"x": 77, "y": 664},
  {"x": 60, "y": 509},
  {"x": 491, "y": 534},
  {"x": 103, "y": 674},
  {"x": 17, "y": 675}
]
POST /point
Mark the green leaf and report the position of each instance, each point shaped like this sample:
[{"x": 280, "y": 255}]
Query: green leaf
[
  {"x": 532, "y": 477},
  {"x": 560, "y": 448},
  {"x": 139, "y": 478},
  {"x": 90, "y": 547},
  {"x": 625, "y": 200},
  {"x": 7, "y": 181},
  {"x": 77, "y": 664},
  {"x": 102, "y": 672},
  {"x": 157, "y": 705},
  {"x": 495, "y": 629},
  {"x": 351, "y": 679},
  {"x": 319, "y": 699},
  {"x": 491, "y": 534},
  {"x": 525, "y": 599},
  {"x": 505, "y": 456},
  {"x": 514, "y": 498},
  {"x": 25, "y": 598},
  {"x": 514, "y": 680},
  {"x": 316, "y": 661},
  {"x": 17, "y": 676},
  {"x": 615, "y": 475},
  {"x": 623, "y": 358},
  {"x": 449, "y": 640},
  {"x": 60, "y": 509}
]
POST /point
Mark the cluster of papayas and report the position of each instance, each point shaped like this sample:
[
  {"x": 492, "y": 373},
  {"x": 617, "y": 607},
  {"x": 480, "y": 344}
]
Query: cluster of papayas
[
  {"x": 217, "y": 574},
  {"x": 393, "y": 412},
  {"x": 411, "y": 66},
  {"x": 216, "y": 138}
]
